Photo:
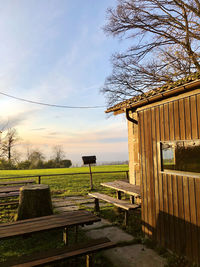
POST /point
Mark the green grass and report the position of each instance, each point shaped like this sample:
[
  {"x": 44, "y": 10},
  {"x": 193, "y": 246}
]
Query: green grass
[
  {"x": 73, "y": 184},
  {"x": 8, "y": 173}
]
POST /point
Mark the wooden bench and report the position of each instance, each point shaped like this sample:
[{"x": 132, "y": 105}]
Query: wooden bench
[
  {"x": 8, "y": 189},
  {"x": 117, "y": 202},
  {"x": 11, "y": 189},
  {"x": 61, "y": 254},
  {"x": 9, "y": 195},
  {"x": 21, "y": 182},
  {"x": 9, "y": 203},
  {"x": 7, "y": 192}
]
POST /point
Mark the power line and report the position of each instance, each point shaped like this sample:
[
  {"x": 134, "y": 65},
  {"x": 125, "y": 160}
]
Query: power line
[{"x": 50, "y": 105}]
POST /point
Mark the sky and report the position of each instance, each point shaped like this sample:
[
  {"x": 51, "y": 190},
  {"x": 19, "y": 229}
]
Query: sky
[{"x": 55, "y": 51}]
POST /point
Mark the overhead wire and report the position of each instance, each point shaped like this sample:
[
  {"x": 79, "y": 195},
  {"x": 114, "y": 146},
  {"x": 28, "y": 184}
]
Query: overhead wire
[{"x": 50, "y": 105}]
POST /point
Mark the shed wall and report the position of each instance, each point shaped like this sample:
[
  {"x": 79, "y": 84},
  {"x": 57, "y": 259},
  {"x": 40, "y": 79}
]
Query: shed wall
[{"x": 171, "y": 203}]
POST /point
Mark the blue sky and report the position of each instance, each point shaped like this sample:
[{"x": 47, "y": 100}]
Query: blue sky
[{"x": 55, "y": 51}]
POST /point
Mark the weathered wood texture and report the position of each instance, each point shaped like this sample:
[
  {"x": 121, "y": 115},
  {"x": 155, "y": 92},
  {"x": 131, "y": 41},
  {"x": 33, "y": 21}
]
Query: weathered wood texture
[
  {"x": 133, "y": 190},
  {"x": 117, "y": 202},
  {"x": 8, "y": 189},
  {"x": 58, "y": 221},
  {"x": 9, "y": 194},
  {"x": 171, "y": 203},
  {"x": 9, "y": 203},
  {"x": 60, "y": 254}
]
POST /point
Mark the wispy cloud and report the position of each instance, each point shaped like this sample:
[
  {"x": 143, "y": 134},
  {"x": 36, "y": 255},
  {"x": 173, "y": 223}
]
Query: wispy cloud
[
  {"x": 38, "y": 129},
  {"x": 15, "y": 120}
]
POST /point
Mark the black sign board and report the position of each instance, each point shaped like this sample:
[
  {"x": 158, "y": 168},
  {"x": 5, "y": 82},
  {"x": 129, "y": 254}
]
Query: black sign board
[{"x": 89, "y": 159}]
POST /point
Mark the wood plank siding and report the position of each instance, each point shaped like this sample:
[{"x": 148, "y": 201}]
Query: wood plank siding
[{"x": 171, "y": 202}]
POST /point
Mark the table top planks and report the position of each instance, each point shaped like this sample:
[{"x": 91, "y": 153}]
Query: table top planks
[
  {"x": 8, "y": 189},
  {"x": 133, "y": 190},
  {"x": 44, "y": 223}
]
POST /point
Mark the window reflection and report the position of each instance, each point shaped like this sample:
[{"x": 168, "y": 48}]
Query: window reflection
[{"x": 181, "y": 156}]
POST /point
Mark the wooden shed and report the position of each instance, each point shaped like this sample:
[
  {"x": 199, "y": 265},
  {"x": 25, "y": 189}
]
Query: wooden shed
[{"x": 164, "y": 158}]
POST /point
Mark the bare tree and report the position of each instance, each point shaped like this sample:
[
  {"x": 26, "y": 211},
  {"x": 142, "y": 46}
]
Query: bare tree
[
  {"x": 165, "y": 36},
  {"x": 8, "y": 142},
  {"x": 58, "y": 153}
]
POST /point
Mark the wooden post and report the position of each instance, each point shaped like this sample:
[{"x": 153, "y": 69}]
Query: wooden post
[
  {"x": 96, "y": 205},
  {"x": 89, "y": 260},
  {"x": 91, "y": 183},
  {"x": 39, "y": 179},
  {"x": 65, "y": 236},
  {"x": 126, "y": 218}
]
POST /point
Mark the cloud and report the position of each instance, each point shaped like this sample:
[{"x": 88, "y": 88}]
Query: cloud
[
  {"x": 111, "y": 134},
  {"x": 14, "y": 120},
  {"x": 38, "y": 129}
]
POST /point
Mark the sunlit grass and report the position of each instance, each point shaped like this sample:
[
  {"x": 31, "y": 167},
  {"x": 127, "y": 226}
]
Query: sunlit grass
[
  {"x": 74, "y": 184},
  {"x": 8, "y": 173}
]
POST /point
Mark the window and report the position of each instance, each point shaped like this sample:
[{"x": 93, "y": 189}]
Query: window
[{"x": 181, "y": 156}]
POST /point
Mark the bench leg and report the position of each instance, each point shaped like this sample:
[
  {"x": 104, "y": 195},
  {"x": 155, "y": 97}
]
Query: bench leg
[
  {"x": 126, "y": 218},
  {"x": 76, "y": 233},
  {"x": 96, "y": 205},
  {"x": 65, "y": 236},
  {"x": 89, "y": 260}
]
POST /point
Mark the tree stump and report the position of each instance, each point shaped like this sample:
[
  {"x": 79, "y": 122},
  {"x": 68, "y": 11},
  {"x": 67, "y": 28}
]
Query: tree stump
[{"x": 34, "y": 201}]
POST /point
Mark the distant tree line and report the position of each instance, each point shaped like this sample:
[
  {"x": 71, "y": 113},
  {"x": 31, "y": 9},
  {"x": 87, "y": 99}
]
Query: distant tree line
[
  {"x": 122, "y": 162},
  {"x": 34, "y": 159}
]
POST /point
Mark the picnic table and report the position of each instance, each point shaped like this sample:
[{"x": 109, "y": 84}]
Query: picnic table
[
  {"x": 39, "y": 224},
  {"x": 46, "y": 223},
  {"x": 125, "y": 187},
  {"x": 119, "y": 186}
]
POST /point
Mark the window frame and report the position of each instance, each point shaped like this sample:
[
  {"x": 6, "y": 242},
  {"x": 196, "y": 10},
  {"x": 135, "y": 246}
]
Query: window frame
[{"x": 174, "y": 172}]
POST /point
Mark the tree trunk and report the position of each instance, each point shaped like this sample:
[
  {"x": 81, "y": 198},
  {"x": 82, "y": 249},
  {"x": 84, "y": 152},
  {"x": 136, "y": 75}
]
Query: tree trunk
[{"x": 34, "y": 201}]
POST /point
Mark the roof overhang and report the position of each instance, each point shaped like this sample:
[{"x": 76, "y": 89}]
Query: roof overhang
[{"x": 123, "y": 106}]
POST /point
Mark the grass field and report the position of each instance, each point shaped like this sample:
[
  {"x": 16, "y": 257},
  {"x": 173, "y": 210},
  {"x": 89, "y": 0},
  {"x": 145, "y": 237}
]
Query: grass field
[{"x": 71, "y": 184}]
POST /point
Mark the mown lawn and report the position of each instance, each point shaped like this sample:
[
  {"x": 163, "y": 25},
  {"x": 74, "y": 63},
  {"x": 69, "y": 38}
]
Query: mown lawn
[
  {"x": 72, "y": 183},
  {"x": 7, "y": 173}
]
